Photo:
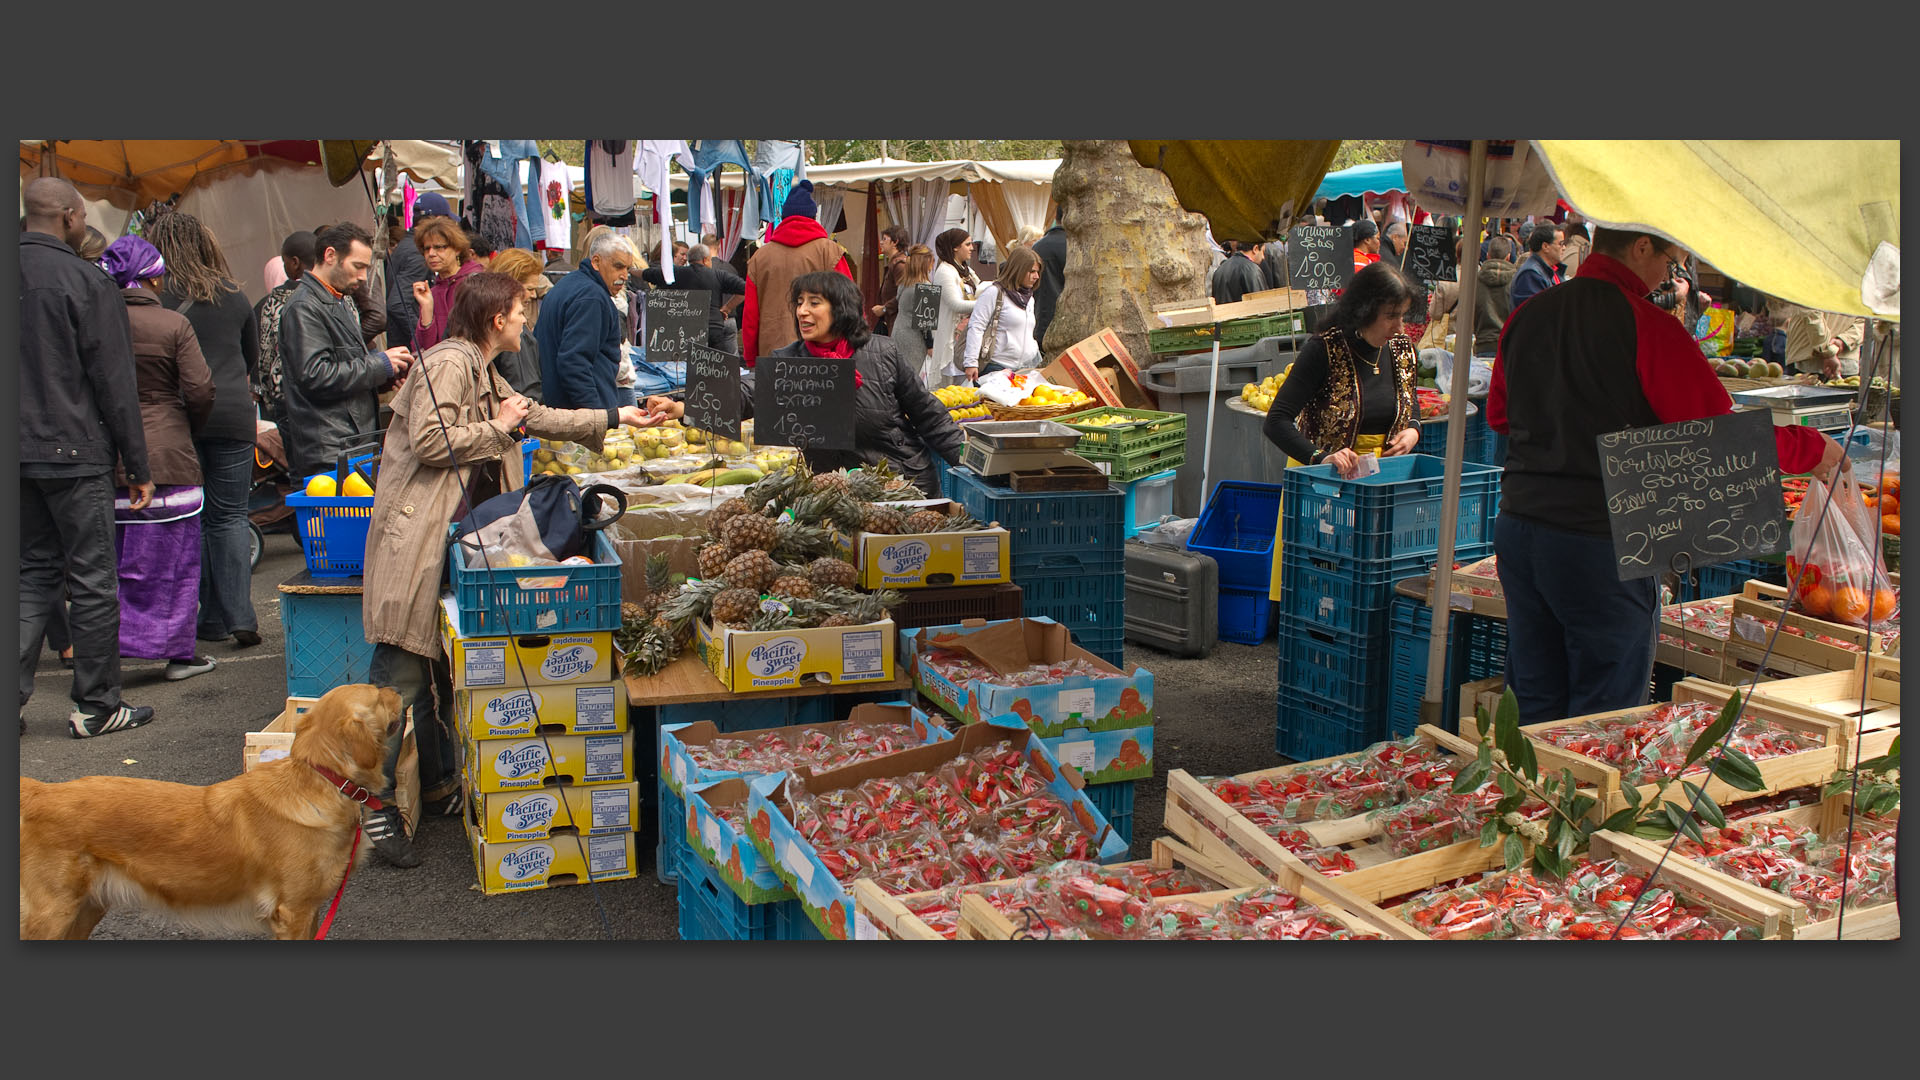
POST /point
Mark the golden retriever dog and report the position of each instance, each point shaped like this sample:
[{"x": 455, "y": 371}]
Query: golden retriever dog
[{"x": 262, "y": 851}]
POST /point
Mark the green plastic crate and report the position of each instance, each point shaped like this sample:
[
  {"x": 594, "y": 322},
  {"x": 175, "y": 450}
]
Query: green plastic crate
[
  {"x": 1233, "y": 333},
  {"x": 1125, "y": 470},
  {"x": 1153, "y": 443}
]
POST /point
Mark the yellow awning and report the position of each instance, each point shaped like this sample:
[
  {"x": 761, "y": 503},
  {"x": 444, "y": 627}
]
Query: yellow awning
[
  {"x": 1248, "y": 189},
  {"x": 1796, "y": 219}
]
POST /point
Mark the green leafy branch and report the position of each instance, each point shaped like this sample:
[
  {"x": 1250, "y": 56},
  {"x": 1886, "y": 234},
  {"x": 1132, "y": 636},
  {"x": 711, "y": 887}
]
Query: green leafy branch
[
  {"x": 1878, "y": 789},
  {"x": 1507, "y": 756}
]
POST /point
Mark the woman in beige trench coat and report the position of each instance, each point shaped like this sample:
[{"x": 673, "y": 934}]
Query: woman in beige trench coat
[{"x": 455, "y": 419}]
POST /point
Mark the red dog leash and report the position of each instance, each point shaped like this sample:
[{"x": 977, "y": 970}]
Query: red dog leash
[{"x": 360, "y": 795}]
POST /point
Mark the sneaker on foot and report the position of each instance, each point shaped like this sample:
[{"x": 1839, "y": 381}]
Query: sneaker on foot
[
  {"x": 389, "y": 836},
  {"x": 187, "y": 669},
  {"x": 246, "y": 639},
  {"x": 448, "y": 805},
  {"x": 86, "y": 725}
]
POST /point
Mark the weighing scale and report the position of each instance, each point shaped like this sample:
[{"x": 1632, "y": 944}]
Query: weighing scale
[
  {"x": 1818, "y": 407},
  {"x": 1035, "y": 455}
]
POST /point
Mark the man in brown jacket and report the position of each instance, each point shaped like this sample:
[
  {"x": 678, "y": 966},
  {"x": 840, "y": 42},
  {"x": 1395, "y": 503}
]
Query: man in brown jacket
[{"x": 798, "y": 245}]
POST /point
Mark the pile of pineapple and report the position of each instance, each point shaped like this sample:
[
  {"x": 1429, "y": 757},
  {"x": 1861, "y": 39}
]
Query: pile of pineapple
[
  {"x": 770, "y": 562},
  {"x": 962, "y": 402},
  {"x": 1260, "y": 394}
]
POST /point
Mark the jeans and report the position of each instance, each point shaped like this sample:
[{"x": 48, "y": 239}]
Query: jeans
[
  {"x": 67, "y": 534},
  {"x": 1579, "y": 640},
  {"x": 426, "y": 691},
  {"x": 527, "y": 213},
  {"x": 226, "y": 558}
]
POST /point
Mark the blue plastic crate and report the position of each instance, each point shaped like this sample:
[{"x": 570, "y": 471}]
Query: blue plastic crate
[
  {"x": 670, "y": 819},
  {"x": 710, "y": 911},
  {"x": 1478, "y": 650},
  {"x": 1346, "y": 669},
  {"x": 491, "y": 603},
  {"x": 1067, "y": 522},
  {"x": 1392, "y": 514},
  {"x": 1246, "y": 615},
  {"x": 790, "y": 923},
  {"x": 325, "y": 641},
  {"x": 333, "y": 533},
  {"x": 1348, "y": 595},
  {"x": 1115, "y": 803},
  {"x": 1307, "y": 728},
  {"x": 1433, "y": 433},
  {"x": 1723, "y": 579},
  {"x": 1108, "y": 645},
  {"x": 1147, "y": 499},
  {"x": 1094, "y": 561},
  {"x": 1078, "y": 601},
  {"x": 1237, "y": 528},
  {"x": 753, "y": 713},
  {"x": 527, "y": 447}
]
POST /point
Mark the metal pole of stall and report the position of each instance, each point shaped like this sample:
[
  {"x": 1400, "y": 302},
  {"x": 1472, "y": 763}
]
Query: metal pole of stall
[
  {"x": 1213, "y": 398},
  {"x": 1437, "y": 685}
]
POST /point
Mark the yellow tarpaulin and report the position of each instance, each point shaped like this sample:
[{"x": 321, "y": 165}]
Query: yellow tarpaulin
[
  {"x": 1796, "y": 219},
  {"x": 1248, "y": 189}
]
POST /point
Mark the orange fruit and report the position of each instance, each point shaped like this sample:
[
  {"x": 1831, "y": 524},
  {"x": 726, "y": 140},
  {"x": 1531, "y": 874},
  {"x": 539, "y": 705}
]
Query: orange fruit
[
  {"x": 1816, "y": 600},
  {"x": 1889, "y": 505},
  {"x": 1890, "y": 524},
  {"x": 1884, "y": 605},
  {"x": 1850, "y": 604}
]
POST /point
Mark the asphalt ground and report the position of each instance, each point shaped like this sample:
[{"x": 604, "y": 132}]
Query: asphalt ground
[{"x": 1213, "y": 716}]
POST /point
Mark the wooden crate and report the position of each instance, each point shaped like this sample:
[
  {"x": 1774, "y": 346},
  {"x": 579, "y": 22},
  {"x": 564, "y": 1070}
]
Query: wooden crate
[
  {"x": 891, "y": 914},
  {"x": 1480, "y": 692},
  {"x": 1880, "y": 922},
  {"x": 1704, "y": 654},
  {"x": 1837, "y": 694},
  {"x": 1791, "y": 771},
  {"x": 274, "y": 741},
  {"x": 1793, "y": 655},
  {"x": 1728, "y": 897},
  {"x": 1190, "y": 807}
]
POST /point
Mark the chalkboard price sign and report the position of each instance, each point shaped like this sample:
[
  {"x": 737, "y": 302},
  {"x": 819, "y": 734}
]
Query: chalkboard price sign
[
  {"x": 923, "y": 307},
  {"x": 713, "y": 392},
  {"x": 1686, "y": 495},
  {"x": 1320, "y": 256},
  {"x": 1430, "y": 255},
  {"x": 676, "y": 321},
  {"x": 804, "y": 402}
]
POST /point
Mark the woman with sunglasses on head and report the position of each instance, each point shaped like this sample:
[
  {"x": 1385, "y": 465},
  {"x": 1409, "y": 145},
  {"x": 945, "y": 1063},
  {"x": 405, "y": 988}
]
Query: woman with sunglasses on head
[
  {"x": 1000, "y": 330},
  {"x": 896, "y": 418}
]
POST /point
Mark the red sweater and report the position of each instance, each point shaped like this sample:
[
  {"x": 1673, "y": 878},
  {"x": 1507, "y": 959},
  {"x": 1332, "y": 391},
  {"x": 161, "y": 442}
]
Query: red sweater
[{"x": 1558, "y": 381}]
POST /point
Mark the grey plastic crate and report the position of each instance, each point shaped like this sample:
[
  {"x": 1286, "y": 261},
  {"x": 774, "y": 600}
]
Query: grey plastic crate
[{"x": 1173, "y": 599}]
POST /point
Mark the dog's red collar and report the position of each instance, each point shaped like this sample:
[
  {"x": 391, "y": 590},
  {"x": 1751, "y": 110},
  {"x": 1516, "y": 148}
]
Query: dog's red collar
[{"x": 350, "y": 789}]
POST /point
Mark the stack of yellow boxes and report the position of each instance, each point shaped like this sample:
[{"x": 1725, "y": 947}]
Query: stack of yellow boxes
[{"x": 547, "y": 757}]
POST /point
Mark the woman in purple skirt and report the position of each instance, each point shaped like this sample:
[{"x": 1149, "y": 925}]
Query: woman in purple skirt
[{"x": 160, "y": 545}]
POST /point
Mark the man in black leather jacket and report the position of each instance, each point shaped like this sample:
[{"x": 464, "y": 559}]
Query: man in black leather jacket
[{"x": 333, "y": 383}]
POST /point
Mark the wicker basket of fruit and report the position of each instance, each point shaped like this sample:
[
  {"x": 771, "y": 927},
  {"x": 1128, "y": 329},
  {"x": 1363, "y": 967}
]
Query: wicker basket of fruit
[{"x": 1045, "y": 403}]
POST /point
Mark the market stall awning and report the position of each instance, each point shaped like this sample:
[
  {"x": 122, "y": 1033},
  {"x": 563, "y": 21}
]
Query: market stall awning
[
  {"x": 150, "y": 170},
  {"x": 1248, "y": 189},
  {"x": 437, "y": 162},
  {"x": 1362, "y": 180},
  {"x": 1797, "y": 219}
]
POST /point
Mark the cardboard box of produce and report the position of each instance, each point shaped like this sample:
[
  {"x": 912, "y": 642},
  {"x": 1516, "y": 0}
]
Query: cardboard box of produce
[
  {"x": 1110, "y": 702},
  {"x": 544, "y": 761},
  {"x": 543, "y": 864},
  {"x": 544, "y": 659},
  {"x": 919, "y": 560},
  {"x": 714, "y": 838},
  {"x": 511, "y": 816},
  {"x": 827, "y": 902},
  {"x": 1106, "y": 757},
  {"x": 598, "y": 708},
  {"x": 678, "y": 770},
  {"x": 754, "y": 661}
]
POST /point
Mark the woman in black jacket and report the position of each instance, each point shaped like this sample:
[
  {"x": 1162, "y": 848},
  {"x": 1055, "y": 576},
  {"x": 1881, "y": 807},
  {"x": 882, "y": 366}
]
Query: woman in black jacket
[
  {"x": 895, "y": 418},
  {"x": 199, "y": 286}
]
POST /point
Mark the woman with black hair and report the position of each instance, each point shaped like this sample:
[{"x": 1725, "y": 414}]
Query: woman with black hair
[
  {"x": 896, "y": 419},
  {"x": 1351, "y": 389},
  {"x": 959, "y": 288}
]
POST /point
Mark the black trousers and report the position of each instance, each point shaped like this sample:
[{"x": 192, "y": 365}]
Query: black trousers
[{"x": 67, "y": 540}]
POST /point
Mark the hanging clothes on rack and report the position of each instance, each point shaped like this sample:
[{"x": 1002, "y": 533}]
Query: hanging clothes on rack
[
  {"x": 502, "y": 161},
  {"x": 556, "y": 188},
  {"x": 610, "y": 170},
  {"x": 777, "y": 165},
  {"x": 650, "y": 163},
  {"x": 708, "y": 156},
  {"x": 733, "y": 205}
]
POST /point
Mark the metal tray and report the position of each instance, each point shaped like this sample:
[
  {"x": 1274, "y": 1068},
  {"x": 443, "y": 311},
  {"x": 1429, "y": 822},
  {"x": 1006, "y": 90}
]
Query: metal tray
[
  {"x": 1793, "y": 397},
  {"x": 1023, "y": 435}
]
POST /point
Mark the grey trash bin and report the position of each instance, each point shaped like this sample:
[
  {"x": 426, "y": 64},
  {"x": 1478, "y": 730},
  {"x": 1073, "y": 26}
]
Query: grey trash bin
[{"x": 1240, "y": 450}]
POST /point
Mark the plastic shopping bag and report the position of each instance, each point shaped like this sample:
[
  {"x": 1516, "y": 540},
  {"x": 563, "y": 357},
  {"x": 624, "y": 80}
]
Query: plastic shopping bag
[{"x": 1834, "y": 568}]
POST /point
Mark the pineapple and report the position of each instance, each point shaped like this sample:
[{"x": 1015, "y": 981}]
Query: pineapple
[
  {"x": 726, "y": 512},
  {"x": 922, "y": 521},
  {"x": 749, "y": 532},
  {"x": 798, "y": 588},
  {"x": 960, "y": 522},
  {"x": 659, "y": 580},
  {"x": 752, "y": 570},
  {"x": 831, "y": 571},
  {"x": 694, "y": 600},
  {"x": 839, "y": 618},
  {"x": 823, "y": 507},
  {"x": 795, "y": 542},
  {"x": 832, "y": 483},
  {"x": 735, "y": 607},
  {"x": 881, "y": 519},
  {"x": 652, "y": 653},
  {"x": 713, "y": 560},
  {"x": 780, "y": 488}
]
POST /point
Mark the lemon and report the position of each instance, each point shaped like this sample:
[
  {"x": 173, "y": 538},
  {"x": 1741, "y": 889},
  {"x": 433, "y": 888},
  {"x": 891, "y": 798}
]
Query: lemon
[
  {"x": 321, "y": 486},
  {"x": 355, "y": 487}
]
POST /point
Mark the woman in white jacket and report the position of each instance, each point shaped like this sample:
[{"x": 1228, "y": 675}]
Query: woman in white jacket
[
  {"x": 1004, "y": 311},
  {"x": 958, "y": 283}
]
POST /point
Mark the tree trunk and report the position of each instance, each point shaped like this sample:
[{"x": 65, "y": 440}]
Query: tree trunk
[{"x": 1130, "y": 246}]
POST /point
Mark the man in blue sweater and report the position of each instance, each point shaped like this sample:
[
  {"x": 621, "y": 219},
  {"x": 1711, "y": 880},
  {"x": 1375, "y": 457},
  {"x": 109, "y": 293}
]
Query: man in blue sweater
[
  {"x": 580, "y": 330},
  {"x": 1546, "y": 245}
]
